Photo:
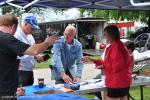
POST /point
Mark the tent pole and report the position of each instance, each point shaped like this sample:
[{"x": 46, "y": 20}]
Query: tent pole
[
  {"x": 7, "y": 1},
  {"x": 139, "y": 4},
  {"x": 23, "y": 7}
]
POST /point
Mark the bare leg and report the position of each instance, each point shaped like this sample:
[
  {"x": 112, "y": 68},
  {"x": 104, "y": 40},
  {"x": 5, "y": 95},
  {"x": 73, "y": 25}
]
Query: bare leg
[
  {"x": 109, "y": 98},
  {"x": 103, "y": 94}
]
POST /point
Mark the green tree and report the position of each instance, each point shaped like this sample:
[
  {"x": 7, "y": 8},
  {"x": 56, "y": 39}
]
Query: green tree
[
  {"x": 18, "y": 12},
  {"x": 118, "y": 15},
  {"x": 60, "y": 10},
  {"x": 10, "y": 9},
  {"x": 35, "y": 10}
]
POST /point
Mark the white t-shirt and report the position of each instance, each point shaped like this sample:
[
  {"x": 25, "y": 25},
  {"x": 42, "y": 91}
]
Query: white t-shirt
[
  {"x": 69, "y": 46},
  {"x": 27, "y": 62}
]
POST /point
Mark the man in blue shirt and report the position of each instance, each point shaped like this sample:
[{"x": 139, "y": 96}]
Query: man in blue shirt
[{"x": 66, "y": 61}]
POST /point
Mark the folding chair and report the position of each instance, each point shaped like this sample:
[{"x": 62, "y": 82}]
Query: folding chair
[{"x": 139, "y": 66}]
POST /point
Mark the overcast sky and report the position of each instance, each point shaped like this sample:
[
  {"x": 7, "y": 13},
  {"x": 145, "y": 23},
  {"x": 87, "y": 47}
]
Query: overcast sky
[{"x": 50, "y": 15}]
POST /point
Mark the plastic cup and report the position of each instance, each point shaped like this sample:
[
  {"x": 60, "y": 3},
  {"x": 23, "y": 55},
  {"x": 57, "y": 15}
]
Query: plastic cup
[{"x": 41, "y": 82}]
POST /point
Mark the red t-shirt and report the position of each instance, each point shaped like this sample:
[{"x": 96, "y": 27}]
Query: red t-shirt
[{"x": 116, "y": 66}]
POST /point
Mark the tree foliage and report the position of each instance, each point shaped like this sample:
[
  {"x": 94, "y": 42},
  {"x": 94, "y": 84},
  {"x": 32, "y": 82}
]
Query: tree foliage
[
  {"x": 10, "y": 9},
  {"x": 18, "y": 12},
  {"x": 117, "y": 15},
  {"x": 60, "y": 10},
  {"x": 34, "y": 10}
]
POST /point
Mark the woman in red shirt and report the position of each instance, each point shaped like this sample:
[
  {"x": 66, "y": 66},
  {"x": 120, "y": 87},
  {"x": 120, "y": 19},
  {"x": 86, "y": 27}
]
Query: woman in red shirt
[{"x": 116, "y": 65}]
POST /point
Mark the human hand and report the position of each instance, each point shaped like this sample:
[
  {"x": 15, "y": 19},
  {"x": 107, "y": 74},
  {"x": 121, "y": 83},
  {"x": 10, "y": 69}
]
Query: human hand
[
  {"x": 66, "y": 78},
  {"x": 86, "y": 59},
  {"x": 51, "y": 39},
  {"x": 20, "y": 65},
  {"x": 39, "y": 58},
  {"x": 76, "y": 79},
  {"x": 99, "y": 67}
]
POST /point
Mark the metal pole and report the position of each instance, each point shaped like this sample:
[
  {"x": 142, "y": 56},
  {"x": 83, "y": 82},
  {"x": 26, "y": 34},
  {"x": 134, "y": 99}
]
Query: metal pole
[
  {"x": 141, "y": 88},
  {"x": 7, "y": 1},
  {"x": 139, "y": 4}
]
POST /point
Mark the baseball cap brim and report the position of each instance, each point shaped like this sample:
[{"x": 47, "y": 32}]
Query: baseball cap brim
[
  {"x": 35, "y": 25},
  {"x": 32, "y": 21}
]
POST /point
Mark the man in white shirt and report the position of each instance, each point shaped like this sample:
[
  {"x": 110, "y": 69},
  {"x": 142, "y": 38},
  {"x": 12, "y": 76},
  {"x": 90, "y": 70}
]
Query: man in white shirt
[{"x": 27, "y": 62}]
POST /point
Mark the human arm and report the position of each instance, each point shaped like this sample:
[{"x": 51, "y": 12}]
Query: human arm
[
  {"x": 132, "y": 63},
  {"x": 57, "y": 51},
  {"x": 19, "y": 48},
  {"x": 65, "y": 77},
  {"x": 37, "y": 48},
  {"x": 79, "y": 64},
  {"x": 34, "y": 48},
  {"x": 98, "y": 62},
  {"x": 87, "y": 59},
  {"x": 77, "y": 79},
  {"x": 29, "y": 39}
]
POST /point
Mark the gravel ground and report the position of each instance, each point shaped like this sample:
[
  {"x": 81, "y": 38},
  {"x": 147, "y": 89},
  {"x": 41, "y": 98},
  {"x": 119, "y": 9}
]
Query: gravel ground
[{"x": 89, "y": 72}]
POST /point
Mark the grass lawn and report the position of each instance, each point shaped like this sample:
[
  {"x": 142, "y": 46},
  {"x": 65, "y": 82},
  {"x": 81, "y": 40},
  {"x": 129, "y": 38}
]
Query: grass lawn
[
  {"x": 42, "y": 64},
  {"x": 134, "y": 92}
]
